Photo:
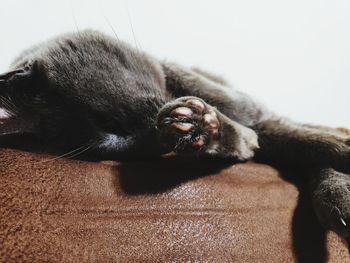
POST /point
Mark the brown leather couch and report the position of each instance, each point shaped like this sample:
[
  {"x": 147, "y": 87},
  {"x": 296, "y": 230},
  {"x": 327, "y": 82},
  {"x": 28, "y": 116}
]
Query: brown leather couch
[{"x": 59, "y": 210}]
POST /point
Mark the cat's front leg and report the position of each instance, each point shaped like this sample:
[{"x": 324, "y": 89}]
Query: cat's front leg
[
  {"x": 330, "y": 195},
  {"x": 314, "y": 149},
  {"x": 190, "y": 125}
]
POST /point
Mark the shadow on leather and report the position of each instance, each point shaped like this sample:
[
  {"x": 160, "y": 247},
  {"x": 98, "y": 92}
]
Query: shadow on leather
[
  {"x": 155, "y": 176},
  {"x": 308, "y": 236}
]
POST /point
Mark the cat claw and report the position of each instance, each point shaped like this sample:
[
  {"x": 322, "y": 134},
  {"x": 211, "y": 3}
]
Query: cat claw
[{"x": 331, "y": 201}]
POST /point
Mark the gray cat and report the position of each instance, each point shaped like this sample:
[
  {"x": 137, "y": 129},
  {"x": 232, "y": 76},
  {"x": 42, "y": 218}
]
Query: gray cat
[{"x": 89, "y": 91}]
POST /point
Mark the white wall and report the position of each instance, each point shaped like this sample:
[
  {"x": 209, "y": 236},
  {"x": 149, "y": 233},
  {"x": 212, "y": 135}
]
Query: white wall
[{"x": 292, "y": 55}]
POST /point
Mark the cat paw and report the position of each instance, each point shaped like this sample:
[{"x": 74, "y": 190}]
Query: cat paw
[
  {"x": 188, "y": 124},
  {"x": 331, "y": 201}
]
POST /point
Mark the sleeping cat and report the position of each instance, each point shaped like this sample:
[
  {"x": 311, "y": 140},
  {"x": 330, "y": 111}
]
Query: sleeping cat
[{"x": 92, "y": 92}]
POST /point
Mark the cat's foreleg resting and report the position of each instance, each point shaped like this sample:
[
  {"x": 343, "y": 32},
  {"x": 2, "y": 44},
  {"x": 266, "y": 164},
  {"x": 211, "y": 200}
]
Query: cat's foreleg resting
[
  {"x": 330, "y": 197},
  {"x": 190, "y": 125}
]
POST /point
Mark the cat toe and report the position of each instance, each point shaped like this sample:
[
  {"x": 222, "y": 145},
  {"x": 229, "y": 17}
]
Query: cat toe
[
  {"x": 211, "y": 123},
  {"x": 196, "y": 104},
  {"x": 182, "y": 126},
  {"x": 181, "y": 112}
]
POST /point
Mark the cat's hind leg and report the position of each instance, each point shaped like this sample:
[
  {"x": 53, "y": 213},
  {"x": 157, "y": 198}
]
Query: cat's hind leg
[
  {"x": 190, "y": 125},
  {"x": 290, "y": 144}
]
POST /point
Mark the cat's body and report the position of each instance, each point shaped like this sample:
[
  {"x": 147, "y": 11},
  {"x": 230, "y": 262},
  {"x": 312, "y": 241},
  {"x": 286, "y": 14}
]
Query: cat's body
[
  {"x": 93, "y": 92},
  {"x": 103, "y": 86}
]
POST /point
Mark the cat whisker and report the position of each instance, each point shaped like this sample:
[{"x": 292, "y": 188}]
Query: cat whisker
[
  {"x": 133, "y": 63},
  {"x": 82, "y": 151},
  {"x": 74, "y": 17},
  {"x": 112, "y": 28},
  {"x": 7, "y": 103},
  {"x": 70, "y": 154},
  {"x": 137, "y": 44}
]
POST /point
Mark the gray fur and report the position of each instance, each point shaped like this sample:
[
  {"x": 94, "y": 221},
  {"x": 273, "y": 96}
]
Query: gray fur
[{"x": 89, "y": 89}]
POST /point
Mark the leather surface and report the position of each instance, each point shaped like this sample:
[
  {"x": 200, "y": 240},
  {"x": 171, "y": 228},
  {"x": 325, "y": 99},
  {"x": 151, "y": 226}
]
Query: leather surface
[{"x": 157, "y": 211}]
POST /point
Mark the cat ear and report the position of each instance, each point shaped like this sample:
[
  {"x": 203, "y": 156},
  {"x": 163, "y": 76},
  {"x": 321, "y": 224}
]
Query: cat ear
[
  {"x": 6, "y": 76},
  {"x": 13, "y": 85},
  {"x": 18, "y": 78},
  {"x": 5, "y": 104},
  {"x": 16, "y": 82}
]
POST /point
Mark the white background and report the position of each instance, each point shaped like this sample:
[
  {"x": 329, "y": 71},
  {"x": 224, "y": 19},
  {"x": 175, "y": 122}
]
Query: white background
[{"x": 292, "y": 55}]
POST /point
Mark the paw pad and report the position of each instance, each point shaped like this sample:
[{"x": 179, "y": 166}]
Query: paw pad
[
  {"x": 181, "y": 112},
  {"x": 189, "y": 124},
  {"x": 182, "y": 126},
  {"x": 196, "y": 104}
]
